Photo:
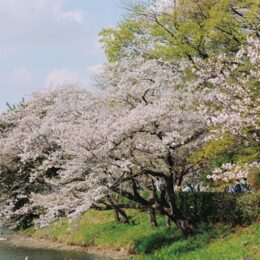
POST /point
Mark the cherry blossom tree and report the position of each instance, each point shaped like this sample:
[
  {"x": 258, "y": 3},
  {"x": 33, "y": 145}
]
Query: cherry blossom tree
[
  {"x": 136, "y": 132},
  {"x": 144, "y": 133},
  {"x": 31, "y": 155},
  {"x": 231, "y": 88},
  {"x": 232, "y": 84}
]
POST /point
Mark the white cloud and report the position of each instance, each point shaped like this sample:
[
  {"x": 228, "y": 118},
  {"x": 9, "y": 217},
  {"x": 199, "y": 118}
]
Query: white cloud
[
  {"x": 17, "y": 78},
  {"x": 59, "y": 37},
  {"x": 83, "y": 77},
  {"x": 8, "y": 51},
  {"x": 62, "y": 76},
  {"x": 46, "y": 23},
  {"x": 76, "y": 16},
  {"x": 95, "y": 69},
  {"x": 15, "y": 84},
  {"x": 21, "y": 75}
]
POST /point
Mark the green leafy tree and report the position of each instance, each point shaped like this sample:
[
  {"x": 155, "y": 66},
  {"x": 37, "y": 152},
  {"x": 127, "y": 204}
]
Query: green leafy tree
[{"x": 193, "y": 28}]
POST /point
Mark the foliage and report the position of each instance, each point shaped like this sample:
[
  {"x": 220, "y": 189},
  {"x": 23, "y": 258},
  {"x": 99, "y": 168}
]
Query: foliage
[
  {"x": 116, "y": 39},
  {"x": 215, "y": 207},
  {"x": 188, "y": 29},
  {"x": 213, "y": 149},
  {"x": 248, "y": 208}
]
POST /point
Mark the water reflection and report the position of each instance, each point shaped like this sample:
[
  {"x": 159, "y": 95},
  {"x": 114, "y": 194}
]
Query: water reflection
[{"x": 10, "y": 252}]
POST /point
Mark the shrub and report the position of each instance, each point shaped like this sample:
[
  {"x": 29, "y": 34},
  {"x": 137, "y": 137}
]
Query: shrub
[
  {"x": 219, "y": 206},
  {"x": 248, "y": 207}
]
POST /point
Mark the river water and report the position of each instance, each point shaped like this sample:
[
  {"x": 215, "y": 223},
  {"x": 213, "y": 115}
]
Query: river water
[{"x": 11, "y": 252}]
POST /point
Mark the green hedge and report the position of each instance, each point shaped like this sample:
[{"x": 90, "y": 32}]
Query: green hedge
[{"x": 219, "y": 206}]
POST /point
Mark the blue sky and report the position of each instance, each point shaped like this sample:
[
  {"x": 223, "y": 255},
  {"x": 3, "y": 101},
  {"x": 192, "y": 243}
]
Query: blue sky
[{"x": 49, "y": 42}]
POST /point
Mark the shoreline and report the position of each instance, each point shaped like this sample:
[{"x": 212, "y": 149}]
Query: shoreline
[{"x": 35, "y": 243}]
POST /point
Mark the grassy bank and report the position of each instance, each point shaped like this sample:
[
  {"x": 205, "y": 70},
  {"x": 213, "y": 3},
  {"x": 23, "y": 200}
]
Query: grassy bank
[
  {"x": 244, "y": 243},
  {"x": 98, "y": 229}
]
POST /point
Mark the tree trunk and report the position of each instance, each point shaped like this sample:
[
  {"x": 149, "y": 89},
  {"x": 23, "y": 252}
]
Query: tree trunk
[
  {"x": 125, "y": 218},
  {"x": 116, "y": 215},
  {"x": 175, "y": 214},
  {"x": 184, "y": 224},
  {"x": 168, "y": 221},
  {"x": 118, "y": 211},
  {"x": 152, "y": 217},
  {"x": 163, "y": 198}
]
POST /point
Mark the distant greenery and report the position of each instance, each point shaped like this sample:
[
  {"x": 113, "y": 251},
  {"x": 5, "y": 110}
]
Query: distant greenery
[
  {"x": 12, "y": 107},
  {"x": 214, "y": 207}
]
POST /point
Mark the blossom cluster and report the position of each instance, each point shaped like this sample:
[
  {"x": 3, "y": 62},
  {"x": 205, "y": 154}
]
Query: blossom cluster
[
  {"x": 230, "y": 171},
  {"x": 232, "y": 91}
]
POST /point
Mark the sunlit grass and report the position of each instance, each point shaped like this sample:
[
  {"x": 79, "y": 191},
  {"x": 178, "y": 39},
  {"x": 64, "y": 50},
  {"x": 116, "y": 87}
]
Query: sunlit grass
[
  {"x": 244, "y": 243},
  {"x": 98, "y": 229}
]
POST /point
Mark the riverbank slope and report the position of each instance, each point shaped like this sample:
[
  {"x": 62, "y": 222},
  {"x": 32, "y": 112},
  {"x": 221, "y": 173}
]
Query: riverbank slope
[{"x": 97, "y": 232}]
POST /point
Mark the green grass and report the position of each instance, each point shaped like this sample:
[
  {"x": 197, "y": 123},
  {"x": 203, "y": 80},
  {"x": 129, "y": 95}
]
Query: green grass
[
  {"x": 216, "y": 244},
  {"x": 99, "y": 229}
]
